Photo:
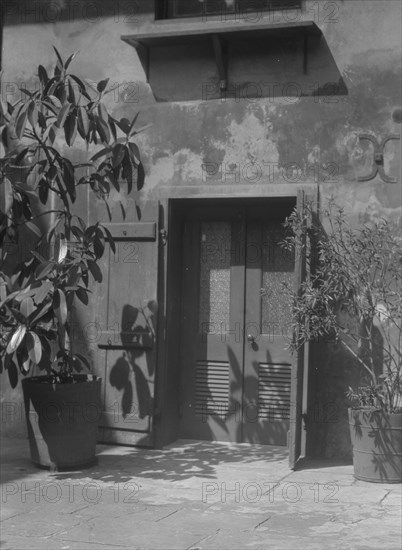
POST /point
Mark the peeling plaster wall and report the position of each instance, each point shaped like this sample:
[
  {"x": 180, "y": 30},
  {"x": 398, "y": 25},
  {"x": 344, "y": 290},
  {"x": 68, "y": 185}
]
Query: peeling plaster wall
[{"x": 235, "y": 146}]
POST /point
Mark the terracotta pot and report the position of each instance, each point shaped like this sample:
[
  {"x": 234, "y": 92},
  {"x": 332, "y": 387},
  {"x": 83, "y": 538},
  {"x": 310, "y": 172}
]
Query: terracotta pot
[
  {"x": 377, "y": 445},
  {"x": 62, "y": 421}
]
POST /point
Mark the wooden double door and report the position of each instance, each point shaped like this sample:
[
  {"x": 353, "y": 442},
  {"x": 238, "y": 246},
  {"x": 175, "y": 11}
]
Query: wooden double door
[{"x": 236, "y": 370}]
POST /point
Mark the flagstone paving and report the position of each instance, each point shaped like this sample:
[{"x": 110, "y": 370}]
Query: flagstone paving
[{"x": 195, "y": 496}]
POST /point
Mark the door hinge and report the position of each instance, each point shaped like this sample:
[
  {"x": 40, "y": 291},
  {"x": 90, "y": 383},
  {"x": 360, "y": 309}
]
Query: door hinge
[
  {"x": 157, "y": 415},
  {"x": 163, "y": 235}
]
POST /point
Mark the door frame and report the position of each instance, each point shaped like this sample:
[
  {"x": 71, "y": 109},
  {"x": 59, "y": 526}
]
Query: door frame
[{"x": 169, "y": 367}]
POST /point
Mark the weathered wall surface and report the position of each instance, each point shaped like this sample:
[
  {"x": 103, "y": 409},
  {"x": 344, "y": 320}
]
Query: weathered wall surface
[{"x": 240, "y": 145}]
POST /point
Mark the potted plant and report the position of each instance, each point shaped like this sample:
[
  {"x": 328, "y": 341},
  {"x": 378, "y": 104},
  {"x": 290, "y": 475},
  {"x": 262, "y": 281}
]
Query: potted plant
[
  {"x": 38, "y": 188},
  {"x": 353, "y": 295}
]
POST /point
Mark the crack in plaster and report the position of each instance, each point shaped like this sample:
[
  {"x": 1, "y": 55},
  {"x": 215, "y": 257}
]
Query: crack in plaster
[
  {"x": 14, "y": 516},
  {"x": 262, "y": 522},
  {"x": 389, "y": 491},
  {"x": 78, "y": 509},
  {"x": 108, "y": 545},
  {"x": 195, "y": 547},
  {"x": 168, "y": 516}
]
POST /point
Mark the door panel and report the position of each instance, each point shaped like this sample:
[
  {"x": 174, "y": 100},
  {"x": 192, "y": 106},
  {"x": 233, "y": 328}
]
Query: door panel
[
  {"x": 212, "y": 347},
  {"x": 267, "y": 362},
  {"x": 126, "y": 313},
  {"x": 236, "y": 371}
]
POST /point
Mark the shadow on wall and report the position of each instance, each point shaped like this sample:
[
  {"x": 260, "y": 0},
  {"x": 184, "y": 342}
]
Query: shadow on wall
[
  {"x": 268, "y": 66},
  {"x": 128, "y": 378},
  {"x": 336, "y": 371}
]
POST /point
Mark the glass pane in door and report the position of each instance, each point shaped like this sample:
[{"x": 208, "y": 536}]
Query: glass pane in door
[
  {"x": 215, "y": 258},
  {"x": 277, "y": 270}
]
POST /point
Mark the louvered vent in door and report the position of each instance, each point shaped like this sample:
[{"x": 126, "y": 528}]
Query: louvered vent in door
[
  {"x": 212, "y": 388},
  {"x": 274, "y": 391}
]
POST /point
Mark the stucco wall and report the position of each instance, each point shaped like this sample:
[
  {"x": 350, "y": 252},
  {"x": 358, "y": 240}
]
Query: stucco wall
[
  {"x": 242, "y": 144},
  {"x": 261, "y": 140}
]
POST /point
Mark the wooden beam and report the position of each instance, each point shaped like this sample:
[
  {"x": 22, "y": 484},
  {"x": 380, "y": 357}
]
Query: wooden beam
[
  {"x": 305, "y": 52},
  {"x": 220, "y": 50},
  {"x": 143, "y": 54},
  {"x": 132, "y": 231}
]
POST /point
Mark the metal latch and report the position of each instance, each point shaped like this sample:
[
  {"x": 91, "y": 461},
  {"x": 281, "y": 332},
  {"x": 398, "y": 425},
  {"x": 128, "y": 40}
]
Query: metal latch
[{"x": 163, "y": 236}]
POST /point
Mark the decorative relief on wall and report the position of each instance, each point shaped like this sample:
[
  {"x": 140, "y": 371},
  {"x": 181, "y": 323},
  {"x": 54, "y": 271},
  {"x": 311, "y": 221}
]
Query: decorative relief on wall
[{"x": 378, "y": 158}]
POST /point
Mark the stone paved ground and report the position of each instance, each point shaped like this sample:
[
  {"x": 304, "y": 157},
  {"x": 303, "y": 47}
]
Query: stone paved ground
[{"x": 193, "y": 495}]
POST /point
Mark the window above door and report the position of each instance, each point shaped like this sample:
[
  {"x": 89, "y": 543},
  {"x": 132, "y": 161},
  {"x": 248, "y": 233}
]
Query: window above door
[{"x": 173, "y": 9}]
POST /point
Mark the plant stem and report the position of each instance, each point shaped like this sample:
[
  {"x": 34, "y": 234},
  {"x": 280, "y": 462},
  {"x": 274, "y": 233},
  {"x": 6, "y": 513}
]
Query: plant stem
[{"x": 362, "y": 363}]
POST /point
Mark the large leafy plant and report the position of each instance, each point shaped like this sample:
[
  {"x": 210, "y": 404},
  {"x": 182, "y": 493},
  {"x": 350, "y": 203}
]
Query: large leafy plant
[
  {"x": 352, "y": 295},
  {"x": 38, "y": 188}
]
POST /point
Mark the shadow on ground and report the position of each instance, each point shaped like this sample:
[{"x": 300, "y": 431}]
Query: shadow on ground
[{"x": 181, "y": 461}]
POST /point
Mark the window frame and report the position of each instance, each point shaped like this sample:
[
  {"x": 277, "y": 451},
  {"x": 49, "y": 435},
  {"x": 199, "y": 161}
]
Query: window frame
[{"x": 164, "y": 12}]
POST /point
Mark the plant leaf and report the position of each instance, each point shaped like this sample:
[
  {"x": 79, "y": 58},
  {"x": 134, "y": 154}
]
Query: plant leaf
[
  {"x": 83, "y": 122},
  {"x": 83, "y": 360},
  {"x": 70, "y": 128},
  {"x": 134, "y": 153},
  {"x": 103, "y": 130},
  {"x": 43, "y": 76},
  {"x": 43, "y": 191},
  {"x": 132, "y": 124},
  {"x": 82, "y": 295},
  {"x": 102, "y": 112},
  {"x": 95, "y": 270},
  {"x": 21, "y": 124},
  {"x": 101, "y": 153},
  {"x": 58, "y": 56},
  {"x": 140, "y": 176},
  {"x": 68, "y": 178},
  {"x": 34, "y": 228},
  {"x": 60, "y": 249},
  {"x": 33, "y": 114},
  {"x": 12, "y": 374},
  {"x": 112, "y": 127},
  {"x": 38, "y": 314},
  {"x": 34, "y": 347},
  {"x": 43, "y": 269},
  {"x": 124, "y": 125},
  {"x": 102, "y": 85},
  {"x": 27, "y": 306},
  {"x": 6, "y": 196},
  {"x": 60, "y": 306},
  {"x": 61, "y": 118},
  {"x": 119, "y": 151},
  {"x": 109, "y": 239},
  {"x": 16, "y": 339},
  {"x": 43, "y": 291},
  {"x": 67, "y": 63}
]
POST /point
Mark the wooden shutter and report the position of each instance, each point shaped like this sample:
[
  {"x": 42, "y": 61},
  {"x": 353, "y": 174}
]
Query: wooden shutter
[
  {"x": 299, "y": 377},
  {"x": 126, "y": 316}
]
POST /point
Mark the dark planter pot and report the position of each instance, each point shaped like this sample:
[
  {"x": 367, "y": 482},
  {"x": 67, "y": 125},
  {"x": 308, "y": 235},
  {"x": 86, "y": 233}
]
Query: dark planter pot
[
  {"x": 377, "y": 445},
  {"x": 62, "y": 421}
]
